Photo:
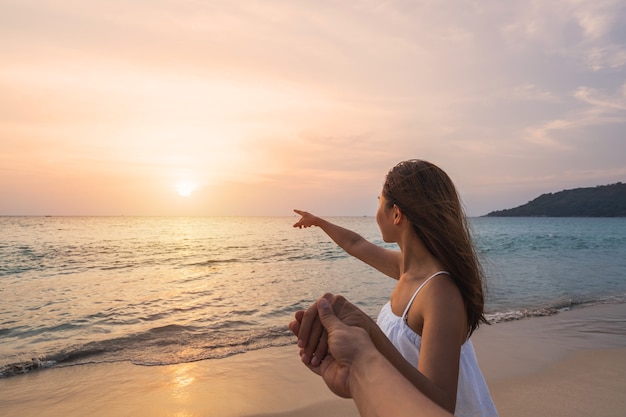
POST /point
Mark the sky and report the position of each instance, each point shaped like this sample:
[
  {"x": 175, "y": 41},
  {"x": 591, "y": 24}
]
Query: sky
[{"x": 238, "y": 108}]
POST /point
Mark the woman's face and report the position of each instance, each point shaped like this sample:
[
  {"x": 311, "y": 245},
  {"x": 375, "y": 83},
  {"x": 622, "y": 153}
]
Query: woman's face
[{"x": 384, "y": 218}]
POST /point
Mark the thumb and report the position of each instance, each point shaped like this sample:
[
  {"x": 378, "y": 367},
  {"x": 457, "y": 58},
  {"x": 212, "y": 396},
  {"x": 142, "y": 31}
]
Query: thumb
[{"x": 327, "y": 315}]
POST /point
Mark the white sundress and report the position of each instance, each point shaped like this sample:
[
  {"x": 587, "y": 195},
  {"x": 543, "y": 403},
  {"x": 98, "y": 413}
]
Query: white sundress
[{"x": 473, "y": 398}]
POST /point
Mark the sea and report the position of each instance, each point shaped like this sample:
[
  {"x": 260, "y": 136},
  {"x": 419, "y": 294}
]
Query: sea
[{"x": 165, "y": 290}]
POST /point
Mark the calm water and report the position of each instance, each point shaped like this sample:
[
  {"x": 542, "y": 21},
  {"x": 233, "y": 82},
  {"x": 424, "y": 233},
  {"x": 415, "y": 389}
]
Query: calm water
[{"x": 167, "y": 290}]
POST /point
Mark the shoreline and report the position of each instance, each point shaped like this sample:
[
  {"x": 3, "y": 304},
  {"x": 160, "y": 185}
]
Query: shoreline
[{"x": 569, "y": 364}]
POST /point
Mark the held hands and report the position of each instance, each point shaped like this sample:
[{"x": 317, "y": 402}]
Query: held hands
[
  {"x": 307, "y": 219},
  {"x": 354, "y": 368},
  {"x": 313, "y": 337},
  {"x": 347, "y": 345}
]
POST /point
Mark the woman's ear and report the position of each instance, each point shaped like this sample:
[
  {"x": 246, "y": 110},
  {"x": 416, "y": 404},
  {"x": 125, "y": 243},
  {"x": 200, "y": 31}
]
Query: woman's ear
[{"x": 397, "y": 215}]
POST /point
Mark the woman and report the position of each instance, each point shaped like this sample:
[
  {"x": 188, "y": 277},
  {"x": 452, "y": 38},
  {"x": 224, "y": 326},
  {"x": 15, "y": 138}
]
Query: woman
[{"x": 438, "y": 300}]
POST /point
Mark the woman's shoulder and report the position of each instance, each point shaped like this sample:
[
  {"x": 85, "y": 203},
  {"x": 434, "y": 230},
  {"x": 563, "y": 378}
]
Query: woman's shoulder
[
  {"x": 440, "y": 296},
  {"x": 442, "y": 289},
  {"x": 437, "y": 300}
]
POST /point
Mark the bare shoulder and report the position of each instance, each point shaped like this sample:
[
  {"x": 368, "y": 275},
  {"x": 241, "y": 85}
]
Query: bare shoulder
[
  {"x": 442, "y": 292},
  {"x": 439, "y": 303},
  {"x": 442, "y": 282}
]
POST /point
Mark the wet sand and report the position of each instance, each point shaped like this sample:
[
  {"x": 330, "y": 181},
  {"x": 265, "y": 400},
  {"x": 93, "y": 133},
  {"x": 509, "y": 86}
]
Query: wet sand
[{"x": 569, "y": 364}]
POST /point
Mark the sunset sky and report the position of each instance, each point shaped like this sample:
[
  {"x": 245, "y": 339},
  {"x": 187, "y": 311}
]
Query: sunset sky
[{"x": 223, "y": 107}]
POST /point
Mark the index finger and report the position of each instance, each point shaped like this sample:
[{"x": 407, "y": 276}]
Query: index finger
[{"x": 306, "y": 325}]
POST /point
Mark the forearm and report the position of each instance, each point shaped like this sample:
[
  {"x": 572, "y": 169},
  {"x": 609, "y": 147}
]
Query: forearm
[
  {"x": 354, "y": 244},
  {"x": 416, "y": 378},
  {"x": 380, "y": 390},
  {"x": 343, "y": 237}
]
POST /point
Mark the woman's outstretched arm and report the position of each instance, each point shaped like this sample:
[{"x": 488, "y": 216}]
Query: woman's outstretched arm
[{"x": 384, "y": 260}]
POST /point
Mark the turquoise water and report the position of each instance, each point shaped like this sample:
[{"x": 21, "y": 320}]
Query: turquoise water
[
  {"x": 535, "y": 263},
  {"x": 168, "y": 290}
]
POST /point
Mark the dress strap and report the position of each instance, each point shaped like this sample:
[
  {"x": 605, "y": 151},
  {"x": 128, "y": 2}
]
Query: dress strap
[{"x": 408, "y": 306}]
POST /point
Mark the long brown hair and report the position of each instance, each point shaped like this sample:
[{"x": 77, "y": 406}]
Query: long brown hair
[{"x": 429, "y": 200}]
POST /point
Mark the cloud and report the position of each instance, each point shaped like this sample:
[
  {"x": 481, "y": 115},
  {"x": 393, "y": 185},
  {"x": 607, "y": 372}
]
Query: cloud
[
  {"x": 599, "y": 109},
  {"x": 329, "y": 94},
  {"x": 602, "y": 103},
  {"x": 589, "y": 32}
]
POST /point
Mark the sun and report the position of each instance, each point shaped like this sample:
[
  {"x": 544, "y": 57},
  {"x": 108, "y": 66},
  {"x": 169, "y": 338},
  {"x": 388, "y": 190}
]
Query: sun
[{"x": 185, "y": 188}]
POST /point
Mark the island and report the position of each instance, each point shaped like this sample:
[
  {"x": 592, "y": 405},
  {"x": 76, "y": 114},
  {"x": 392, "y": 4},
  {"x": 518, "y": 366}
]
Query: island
[{"x": 601, "y": 201}]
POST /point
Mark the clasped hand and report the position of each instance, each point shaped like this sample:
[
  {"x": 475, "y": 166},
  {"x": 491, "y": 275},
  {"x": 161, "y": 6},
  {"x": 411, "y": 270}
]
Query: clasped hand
[
  {"x": 313, "y": 337},
  {"x": 332, "y": 333}
]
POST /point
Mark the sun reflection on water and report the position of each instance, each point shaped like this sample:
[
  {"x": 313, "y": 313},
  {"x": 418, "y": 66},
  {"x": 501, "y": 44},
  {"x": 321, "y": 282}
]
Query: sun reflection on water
[{"x": 181, "y": 382}]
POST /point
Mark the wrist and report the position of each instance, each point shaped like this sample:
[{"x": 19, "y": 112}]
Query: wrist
[
  {"x": 369, "y": 382},
  {"x": 319, "y": 222},
  {"x": 367, "y": 355}
]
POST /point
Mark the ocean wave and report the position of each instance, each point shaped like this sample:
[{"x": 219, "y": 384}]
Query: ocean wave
[
  {"x": 211, "y": 262},
  {"x": 176, "y": 343},
  {"x": 500, "y": 317},
  {"x": 18, "y": 368},
  {"x": 164, "y": 345},
  {"x": 523, "y": 313},
  {"x": 166, "y": 290}
]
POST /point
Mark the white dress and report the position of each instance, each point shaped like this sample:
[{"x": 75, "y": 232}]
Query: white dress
[{"x": 473, "y": 398}]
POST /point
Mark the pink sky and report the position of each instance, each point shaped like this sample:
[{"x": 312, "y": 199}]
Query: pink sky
[{"x": 267, "y": 106}]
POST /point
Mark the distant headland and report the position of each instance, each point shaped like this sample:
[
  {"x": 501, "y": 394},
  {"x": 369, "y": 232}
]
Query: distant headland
[{"x": 600, "y": 201}]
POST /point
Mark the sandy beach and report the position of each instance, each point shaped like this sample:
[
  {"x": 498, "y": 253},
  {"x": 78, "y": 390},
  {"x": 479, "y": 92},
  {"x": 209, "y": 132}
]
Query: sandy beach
[{"x": 569, "y": 364}]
